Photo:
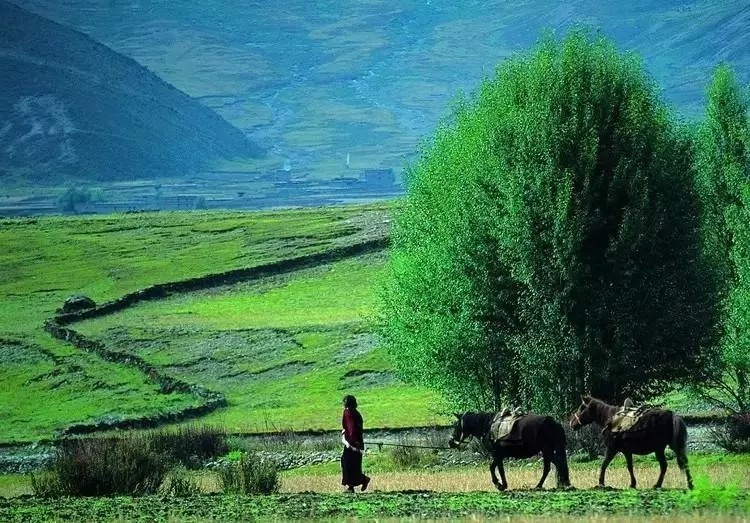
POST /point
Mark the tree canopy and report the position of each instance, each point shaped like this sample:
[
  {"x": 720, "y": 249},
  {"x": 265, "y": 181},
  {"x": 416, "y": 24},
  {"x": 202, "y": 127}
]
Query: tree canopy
[
  {"x": 722, "y": 162},
  {"x": 547, "y": 244}
]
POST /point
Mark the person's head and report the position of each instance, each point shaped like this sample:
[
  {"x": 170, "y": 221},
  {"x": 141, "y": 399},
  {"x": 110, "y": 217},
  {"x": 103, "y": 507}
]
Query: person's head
[{"x": 350, "y": 402}]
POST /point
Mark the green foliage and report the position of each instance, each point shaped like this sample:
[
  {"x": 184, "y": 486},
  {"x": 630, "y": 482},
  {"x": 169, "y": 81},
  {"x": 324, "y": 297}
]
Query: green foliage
[
  {"x": 100, "y": 467},
  {"x": 179, "y": 484},
  {"x": 72, "y": 197},
  {"x": 190, "y": 444},
  {"x": 723, "y": 181},
  {"x": 250, "y": 475},
  {"x": 707, "y": 494},
  {"x": 412, "y": 457},
  {"x": 734, "y": 434},
  {"x": 46, "y": 484},
  {"x": 586, "y": 443},
  {"x": 546, "y": 245},
  {"x": 594, "y": 505},
  {"x": 136, "y": 464}
]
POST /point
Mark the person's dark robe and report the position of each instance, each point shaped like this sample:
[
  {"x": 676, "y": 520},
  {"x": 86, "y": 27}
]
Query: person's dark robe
[{"x": 351, "y": 459}]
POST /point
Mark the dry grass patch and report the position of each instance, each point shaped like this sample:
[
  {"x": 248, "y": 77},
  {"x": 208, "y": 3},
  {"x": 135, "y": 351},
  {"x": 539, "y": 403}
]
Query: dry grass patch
[{"x": 519, "y": 477}]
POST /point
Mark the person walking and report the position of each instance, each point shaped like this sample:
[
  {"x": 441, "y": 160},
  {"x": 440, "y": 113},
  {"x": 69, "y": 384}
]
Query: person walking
[{"x": 352, "y": 436}]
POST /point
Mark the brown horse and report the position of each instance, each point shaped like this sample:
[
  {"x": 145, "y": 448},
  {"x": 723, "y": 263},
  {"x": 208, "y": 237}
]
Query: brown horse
[
  {"x": 531, "y": 435},
  {"x": 658, "y": 429}
]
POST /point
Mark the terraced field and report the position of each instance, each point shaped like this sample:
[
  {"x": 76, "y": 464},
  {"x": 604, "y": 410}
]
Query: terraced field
[{"x": 282, "y": 349}]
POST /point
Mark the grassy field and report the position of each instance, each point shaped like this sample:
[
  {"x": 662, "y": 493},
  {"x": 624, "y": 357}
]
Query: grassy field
[
  {"x": 50, "y": 385},
  {"x": 589, "y": 505},
  {"x": 283, "y": 350},
  {"x": 722, "y": 493}
]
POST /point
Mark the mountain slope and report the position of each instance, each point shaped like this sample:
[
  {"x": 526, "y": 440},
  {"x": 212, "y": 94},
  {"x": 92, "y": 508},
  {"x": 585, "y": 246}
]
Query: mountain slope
[
  {"x": 71, "y": 108},
  {"x": 319, "y": 81}
]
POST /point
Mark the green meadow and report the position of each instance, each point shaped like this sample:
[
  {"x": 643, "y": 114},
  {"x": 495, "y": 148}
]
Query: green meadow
[{"x": 282, "y": 349}]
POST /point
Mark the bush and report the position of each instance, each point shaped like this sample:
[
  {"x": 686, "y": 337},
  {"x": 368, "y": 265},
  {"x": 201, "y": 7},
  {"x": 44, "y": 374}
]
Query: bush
[
  {"x": 46, "y": 484},
  {"x": 586, "y": 442},
  {"x": 97, "y": 467},
  {"x": 406, "y": 457},
  {"x": 179, "y": 484},
  {"x": 68, "y": 201},
  {"x": 284, "y": 441},
  {"x": 190, "y": 444},
  {"x": 734, "y": 435},
  {"x": 249, "y": 475},
  {"x": 480, "y": 447}
]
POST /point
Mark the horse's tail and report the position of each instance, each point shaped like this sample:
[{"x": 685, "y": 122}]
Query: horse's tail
[
  {"x": 561, "y": 457},
  {"x": 679, "y": 445}
]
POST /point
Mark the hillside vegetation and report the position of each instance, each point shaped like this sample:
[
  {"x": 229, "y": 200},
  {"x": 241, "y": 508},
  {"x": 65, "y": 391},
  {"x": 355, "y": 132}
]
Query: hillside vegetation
[{"x": 71, "y": 108}]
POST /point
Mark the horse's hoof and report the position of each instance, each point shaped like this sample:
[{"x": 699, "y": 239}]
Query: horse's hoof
[
  {"x": 657, "y": 487},
  {"x": 500, "y": 486}
]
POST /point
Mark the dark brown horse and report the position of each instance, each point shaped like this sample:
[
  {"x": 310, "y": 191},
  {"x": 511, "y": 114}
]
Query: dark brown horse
[
  {"x": 531, "y": 435},
  {"x": 656, "y": 430}
]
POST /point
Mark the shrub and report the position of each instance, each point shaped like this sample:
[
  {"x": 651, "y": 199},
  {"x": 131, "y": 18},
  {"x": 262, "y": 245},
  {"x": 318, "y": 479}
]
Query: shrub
[
  {"x": 249, "y": 475},
  {"x": 734, "y": 435},
  {"x": 46, "y": 484},
  {"x": 190, "y": 444},
  {"x": 405, "y": 457},
  {"x": 179, "y": 484},
  {"x": 96, "y": 467},
  {"x": 586, "y": 442}
]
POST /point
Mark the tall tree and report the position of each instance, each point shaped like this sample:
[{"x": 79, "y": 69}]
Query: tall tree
[
  {"x": 723, "y": 180},
  {"x": 547, "y": 242}
]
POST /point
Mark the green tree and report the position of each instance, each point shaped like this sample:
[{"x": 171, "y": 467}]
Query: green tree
[
  {"x": 547, "y": 243},
  {"x": 723, "y": 181},
  {"x": 71, "y": 198}
]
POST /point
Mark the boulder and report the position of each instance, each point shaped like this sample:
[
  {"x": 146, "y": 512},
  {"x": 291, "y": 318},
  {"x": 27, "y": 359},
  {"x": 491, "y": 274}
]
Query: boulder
[{"x": 78, "y": 302}]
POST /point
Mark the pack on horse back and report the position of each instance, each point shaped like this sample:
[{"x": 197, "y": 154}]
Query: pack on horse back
[
  {"x": 502, "y": 425},
  {"x": 629, "y": 420}
]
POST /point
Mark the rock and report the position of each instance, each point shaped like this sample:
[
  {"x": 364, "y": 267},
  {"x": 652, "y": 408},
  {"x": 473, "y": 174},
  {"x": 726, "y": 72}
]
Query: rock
[{"x": 77, "y": 302}]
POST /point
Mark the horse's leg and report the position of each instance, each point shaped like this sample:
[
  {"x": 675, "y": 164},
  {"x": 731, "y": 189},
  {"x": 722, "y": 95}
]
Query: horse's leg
[
  {"x": 607, "y": 458},
  {"x": 629, "y": 461},
  {"x": 501, "y": 469},
  {"x": 679, "y": 446},
  {"x": 493, "y": 465},
  {"x": 682, "y": 462},
  {"x": 547, "y": 458},
  {"x": 662, "y": 467}
]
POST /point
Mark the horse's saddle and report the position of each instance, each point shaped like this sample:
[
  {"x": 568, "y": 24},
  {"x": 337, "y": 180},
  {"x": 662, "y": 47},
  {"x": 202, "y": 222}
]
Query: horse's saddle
[
  {"x": 502, "y": 424},
  {"x": 626, "y": 419}
]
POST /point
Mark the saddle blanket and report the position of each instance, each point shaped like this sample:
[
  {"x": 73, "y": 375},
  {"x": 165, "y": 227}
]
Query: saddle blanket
[
  {"x": 503, "y": 423},
  {"x": 626, "y": 419}
]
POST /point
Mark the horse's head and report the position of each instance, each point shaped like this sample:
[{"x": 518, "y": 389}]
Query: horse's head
[
  {"x": 583, "y": 416},
  {"x": 459, "y": 434}
]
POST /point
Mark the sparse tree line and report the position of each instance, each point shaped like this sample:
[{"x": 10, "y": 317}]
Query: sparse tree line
[{"x": 564, "y": 232}]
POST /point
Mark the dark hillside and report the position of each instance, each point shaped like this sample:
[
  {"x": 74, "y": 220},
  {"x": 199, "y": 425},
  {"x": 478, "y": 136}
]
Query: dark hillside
[
  {"x": 71, "y": 108},
  {"x": 336, "y": 87}
]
